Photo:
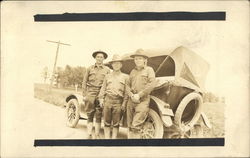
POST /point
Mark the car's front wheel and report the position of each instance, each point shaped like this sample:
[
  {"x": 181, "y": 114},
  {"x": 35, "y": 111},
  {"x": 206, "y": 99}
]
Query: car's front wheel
[
  {"x": 72, "y": 113},
  {"x": 152, "y": 127}
]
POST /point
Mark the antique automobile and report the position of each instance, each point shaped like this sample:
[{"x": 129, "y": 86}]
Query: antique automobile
[{"x": 176, "y": 101}]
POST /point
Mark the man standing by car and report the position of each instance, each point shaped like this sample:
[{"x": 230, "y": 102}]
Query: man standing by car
[
  {"x": 92, "y": 82},
  {"x": 141, "y": 83},
  {"x": 113, "y": 97}
]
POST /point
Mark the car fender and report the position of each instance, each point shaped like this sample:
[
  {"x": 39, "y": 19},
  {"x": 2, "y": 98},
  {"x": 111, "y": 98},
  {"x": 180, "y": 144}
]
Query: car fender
[
  {"x": 75, "y": 96},
  {"x": 205, "y": 120},
  {"x": 164, "y": 111}
]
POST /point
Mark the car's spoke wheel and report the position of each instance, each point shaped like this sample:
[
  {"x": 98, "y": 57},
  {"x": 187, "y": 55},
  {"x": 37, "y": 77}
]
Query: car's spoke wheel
[
  {"x": 152, "y": 127},
  {"x": 72, "y": 113},
  {"x": 148, "y": 130}
]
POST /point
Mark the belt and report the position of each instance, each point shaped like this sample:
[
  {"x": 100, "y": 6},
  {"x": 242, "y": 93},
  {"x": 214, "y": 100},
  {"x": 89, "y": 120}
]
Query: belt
[
  {"x": 93, "y": 89},
  {"x": 113, "y": 99},
  {"x": 133, "y": 91}
]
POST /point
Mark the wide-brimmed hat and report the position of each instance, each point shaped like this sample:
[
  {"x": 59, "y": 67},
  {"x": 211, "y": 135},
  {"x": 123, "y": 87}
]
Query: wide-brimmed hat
[
  {"x": 97, "y": 52},
  {"x": 139, "y": 52},
  {"x": 115, "y": 58}
]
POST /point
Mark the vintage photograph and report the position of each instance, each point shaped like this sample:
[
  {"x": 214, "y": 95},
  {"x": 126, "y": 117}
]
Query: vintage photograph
[
  {"x": 133, "y": 84},
  {"x": 147, "y": 94},
  {"x": 121, "y": 79}
]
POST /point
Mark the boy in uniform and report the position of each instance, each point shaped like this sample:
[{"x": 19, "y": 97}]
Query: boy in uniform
[
  {"x": 92, "y": 82},
  {"x": 113, "y": 97},
  {"x": 141, "y": 83}
]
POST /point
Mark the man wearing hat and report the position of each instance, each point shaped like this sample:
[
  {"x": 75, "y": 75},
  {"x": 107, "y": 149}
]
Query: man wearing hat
[
  {"x": 92, "y": 82},
  {"x": 114, "y": 98},
  {"x": 141, "y": 83}
]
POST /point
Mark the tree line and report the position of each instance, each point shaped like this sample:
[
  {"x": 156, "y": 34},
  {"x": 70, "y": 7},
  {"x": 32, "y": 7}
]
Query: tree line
[
  {"x": 212, "y": 98},
  {"x": 65, "y": 77}
]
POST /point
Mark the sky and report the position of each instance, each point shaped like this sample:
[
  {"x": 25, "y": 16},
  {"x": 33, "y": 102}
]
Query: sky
[{"x": 25, "y": 40}]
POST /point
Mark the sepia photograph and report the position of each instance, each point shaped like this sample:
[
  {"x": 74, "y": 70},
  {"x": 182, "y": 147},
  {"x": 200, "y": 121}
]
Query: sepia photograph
[
  {"x": 166, "y": 100},
  {"x": 147, "y": 76}
]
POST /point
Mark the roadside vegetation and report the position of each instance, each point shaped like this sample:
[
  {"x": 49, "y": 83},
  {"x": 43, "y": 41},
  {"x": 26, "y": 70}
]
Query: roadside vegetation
[{"x": 56, "y": 96}]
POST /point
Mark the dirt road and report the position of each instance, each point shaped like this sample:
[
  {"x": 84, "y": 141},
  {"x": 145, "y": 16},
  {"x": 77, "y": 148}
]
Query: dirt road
[
  {"x": 36, "y": 119},
  {"x": 51, "y": 124}
]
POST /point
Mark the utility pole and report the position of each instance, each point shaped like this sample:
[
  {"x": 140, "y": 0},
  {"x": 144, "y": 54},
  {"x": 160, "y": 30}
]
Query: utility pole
[{"x": 54, "y": 68}]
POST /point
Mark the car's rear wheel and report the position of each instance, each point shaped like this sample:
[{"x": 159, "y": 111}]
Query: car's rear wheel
[
  {"x": 72, "y": 113},
  {"x": 152, "y": 127},
  {"x": 188, "y": 111}
]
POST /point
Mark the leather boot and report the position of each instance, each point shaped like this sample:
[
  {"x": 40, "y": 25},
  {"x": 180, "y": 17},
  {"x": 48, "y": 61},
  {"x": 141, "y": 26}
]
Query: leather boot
[
  {"x": 89, "y": 130},
  {"x": 97, "y": 130},
  {"x": 114, "y": 132},
  {"x": 107, "y": 132}
]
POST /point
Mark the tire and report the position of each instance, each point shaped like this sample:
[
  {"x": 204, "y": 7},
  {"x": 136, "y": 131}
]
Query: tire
[
  {"x": 188, "y": 124},
  {"x": 152, "y": 128},
  {"x": 72, "y": 113}
]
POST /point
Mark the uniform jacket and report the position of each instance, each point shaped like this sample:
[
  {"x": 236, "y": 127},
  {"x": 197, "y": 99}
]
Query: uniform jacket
[
  {"x": 114, "y": 85},
  {"x": 141, "y": 81},
  {"x": 93, "y": 78}
]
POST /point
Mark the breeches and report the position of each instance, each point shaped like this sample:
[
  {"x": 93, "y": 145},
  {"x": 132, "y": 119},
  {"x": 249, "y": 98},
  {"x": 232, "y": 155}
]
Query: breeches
[
  {"x": 112, "y": 112},
  {"x": 137, "y": 113},
  {"x": 92, "y": 111}
]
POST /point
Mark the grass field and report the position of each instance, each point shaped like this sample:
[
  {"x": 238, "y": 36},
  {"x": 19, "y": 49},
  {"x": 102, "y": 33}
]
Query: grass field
[
  {"x": 55, "y": 96},
  {"x": 214, "y": 111},
  {"x": 215, "y": 114}
]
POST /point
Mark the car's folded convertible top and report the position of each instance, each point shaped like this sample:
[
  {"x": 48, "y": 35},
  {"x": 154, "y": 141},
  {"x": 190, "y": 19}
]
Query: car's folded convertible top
[{"x": 190, "y": 70}]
